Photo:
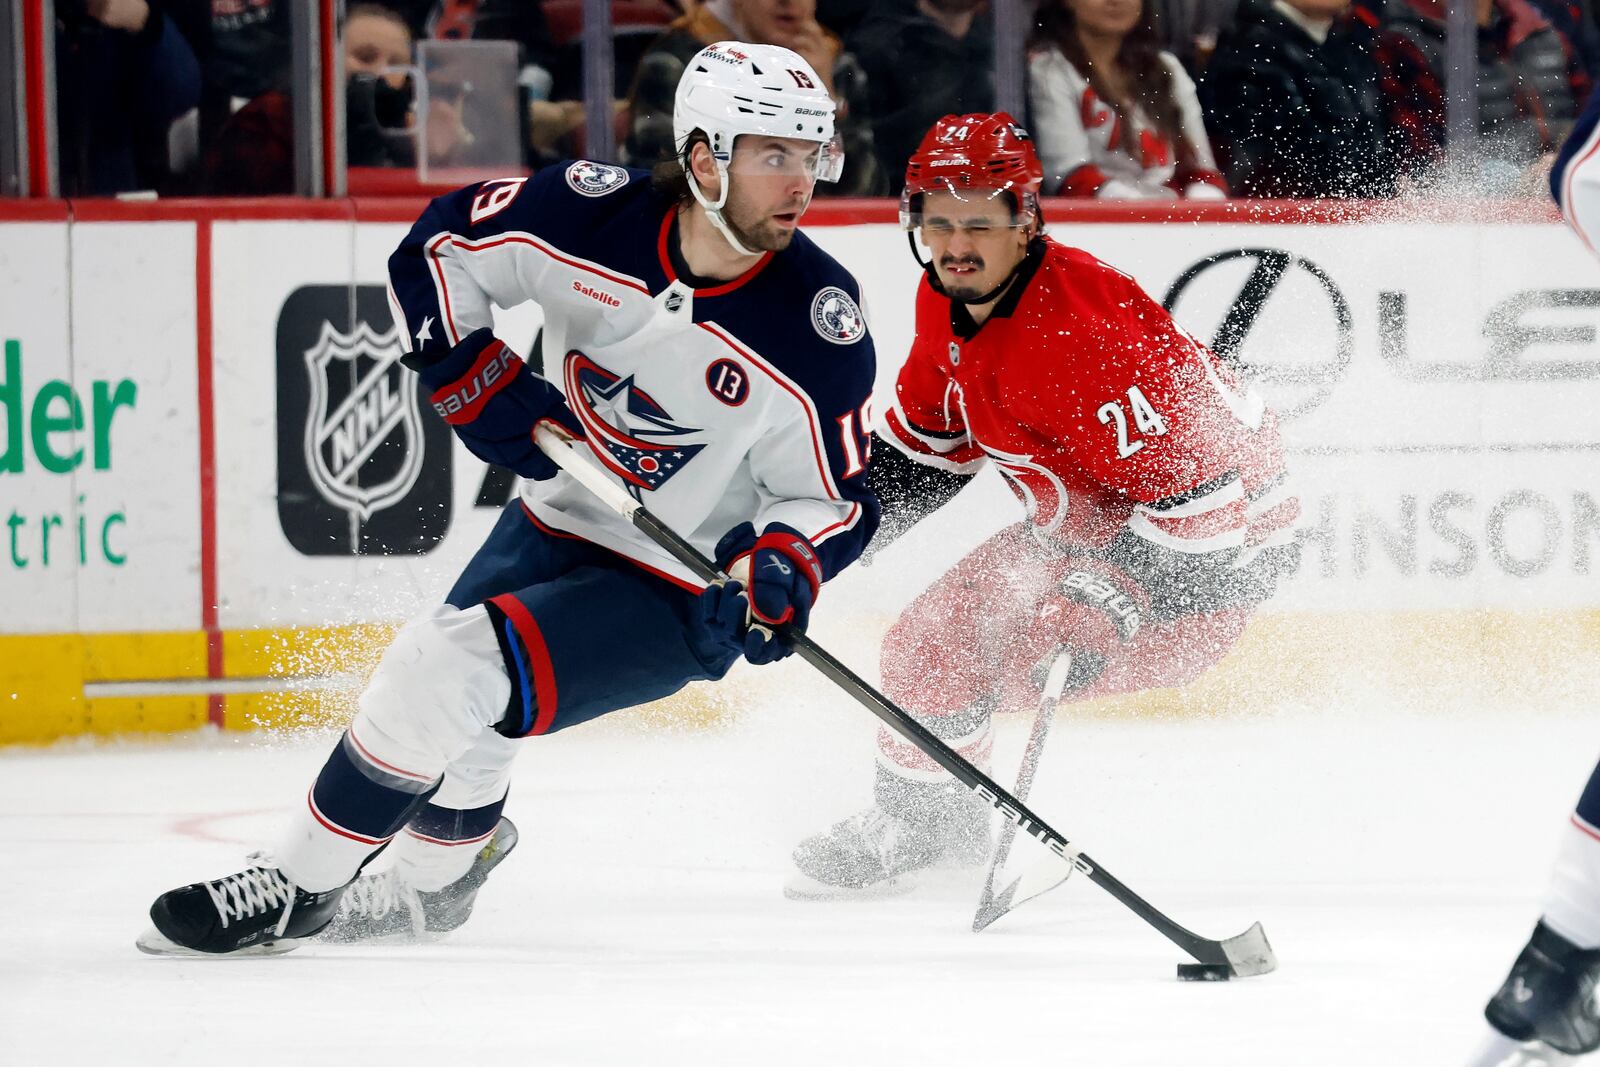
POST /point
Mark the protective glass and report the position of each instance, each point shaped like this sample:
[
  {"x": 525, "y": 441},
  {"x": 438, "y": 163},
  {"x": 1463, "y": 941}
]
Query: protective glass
[
  {"x": 788, "y": 158},
  {"x": 971, "y": 211}
]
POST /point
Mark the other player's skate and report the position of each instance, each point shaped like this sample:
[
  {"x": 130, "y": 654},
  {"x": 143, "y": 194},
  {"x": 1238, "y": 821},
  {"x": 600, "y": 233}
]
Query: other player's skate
[
  {"x": 257, "y": 912},
  {"x": 383, "y": 906},
  {"x": 1546, "y": 1012},
  {"x": 871, "y": 853}
]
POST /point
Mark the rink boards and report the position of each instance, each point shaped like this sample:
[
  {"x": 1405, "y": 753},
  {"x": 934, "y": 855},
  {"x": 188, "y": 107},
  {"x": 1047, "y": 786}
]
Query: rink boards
[{"x": 219, "y": 489}]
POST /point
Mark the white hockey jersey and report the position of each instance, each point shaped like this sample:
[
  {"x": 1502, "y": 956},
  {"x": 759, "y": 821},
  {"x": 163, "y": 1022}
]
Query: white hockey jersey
[
  {"x": 1575, "y": 178},
  {"x": 739, "y": 402}
]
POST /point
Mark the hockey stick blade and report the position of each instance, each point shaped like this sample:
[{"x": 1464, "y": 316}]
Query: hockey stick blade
[
  {"x": 1036, "y": 881},
  {"x": 990, "y": 906},
  {"x": 1247, "y": 954}
]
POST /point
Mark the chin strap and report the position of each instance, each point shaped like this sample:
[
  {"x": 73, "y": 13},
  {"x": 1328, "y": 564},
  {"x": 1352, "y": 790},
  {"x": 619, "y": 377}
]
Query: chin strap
[{"x": 714, "y": 211}]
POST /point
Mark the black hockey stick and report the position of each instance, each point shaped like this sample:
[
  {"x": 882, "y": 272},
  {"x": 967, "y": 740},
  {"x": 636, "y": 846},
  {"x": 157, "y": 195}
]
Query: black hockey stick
[
  {"x": 1240, "y": 956},
  {"x": 992, "y": 905}
]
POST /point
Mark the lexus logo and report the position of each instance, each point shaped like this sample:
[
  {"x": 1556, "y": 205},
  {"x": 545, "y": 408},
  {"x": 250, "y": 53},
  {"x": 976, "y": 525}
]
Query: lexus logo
[{"x": 1276, "y": 317}]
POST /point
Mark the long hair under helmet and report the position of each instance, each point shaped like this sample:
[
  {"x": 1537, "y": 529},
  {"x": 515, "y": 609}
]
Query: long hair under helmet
[
  {"x": 730, "y": 89},
  {"x": 977, "y": 158}
]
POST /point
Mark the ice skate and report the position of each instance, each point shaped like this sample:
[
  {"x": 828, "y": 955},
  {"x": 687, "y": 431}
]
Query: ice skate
[
  {"x": 382, "y": 906},
  {"x": 872, "y": 853},
  {"x": 1547, "y": 1007},
  {"x": 257, "y": 912}
]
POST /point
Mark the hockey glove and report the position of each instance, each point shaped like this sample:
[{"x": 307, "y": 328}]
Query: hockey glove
[
  {"x": 1095, "y": 610},
  {"x": 493, "y": 401},
  {"x": 782, "y": 574}
]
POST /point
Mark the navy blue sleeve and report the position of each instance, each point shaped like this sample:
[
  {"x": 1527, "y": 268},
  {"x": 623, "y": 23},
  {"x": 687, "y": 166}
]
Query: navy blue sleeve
[
  {"x": 1582, "y": 133},
  {"x": 490, "y": 244}
]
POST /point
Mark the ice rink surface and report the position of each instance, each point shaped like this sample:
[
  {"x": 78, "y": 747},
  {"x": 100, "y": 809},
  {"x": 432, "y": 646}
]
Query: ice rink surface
[{"x": 1395, "y": 859}]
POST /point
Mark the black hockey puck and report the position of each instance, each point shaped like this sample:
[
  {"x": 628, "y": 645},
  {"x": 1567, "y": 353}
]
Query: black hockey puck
[{"x": 1204, "y": 972}]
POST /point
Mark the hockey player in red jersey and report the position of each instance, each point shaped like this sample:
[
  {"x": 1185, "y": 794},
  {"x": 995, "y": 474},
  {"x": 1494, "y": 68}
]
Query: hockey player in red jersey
[{"x": 1157, "y": 511}]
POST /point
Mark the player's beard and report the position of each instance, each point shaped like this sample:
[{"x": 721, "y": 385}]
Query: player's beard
[
  {"x": 964, "y": 291},
  {"x": 756, "y": 231}
]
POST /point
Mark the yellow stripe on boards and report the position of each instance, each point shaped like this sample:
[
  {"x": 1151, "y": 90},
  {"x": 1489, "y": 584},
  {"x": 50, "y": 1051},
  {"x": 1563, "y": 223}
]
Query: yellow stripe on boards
[{"x": 1408, "y": 661}]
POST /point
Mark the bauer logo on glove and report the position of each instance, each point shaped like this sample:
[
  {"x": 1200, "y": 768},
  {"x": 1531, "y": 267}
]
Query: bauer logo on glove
[
  {"x": 493, "y": 400},
  {"x": 1096, "y": 591},
  {"x": 461, "y": 401}
]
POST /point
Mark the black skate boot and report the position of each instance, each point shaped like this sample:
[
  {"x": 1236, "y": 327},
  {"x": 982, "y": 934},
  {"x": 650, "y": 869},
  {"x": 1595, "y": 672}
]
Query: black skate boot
[
  {"x": 257, "y": 912},
  {"x": 382, "y": 906},
  {"x": 1548, "y": 999},
  {"x": 912, "y": 828}
]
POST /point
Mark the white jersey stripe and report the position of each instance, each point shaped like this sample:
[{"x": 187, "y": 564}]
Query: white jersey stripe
[{"x": 1569, "y": 194}]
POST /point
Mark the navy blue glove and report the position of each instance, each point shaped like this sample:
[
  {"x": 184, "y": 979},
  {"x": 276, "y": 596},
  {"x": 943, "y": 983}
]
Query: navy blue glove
[
  {"x": 783, "y": 575},
  {"x": 493, "y": 401}
]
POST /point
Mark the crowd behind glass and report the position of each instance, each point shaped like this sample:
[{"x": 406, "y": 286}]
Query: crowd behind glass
[{"x": 1127, "y": 99}]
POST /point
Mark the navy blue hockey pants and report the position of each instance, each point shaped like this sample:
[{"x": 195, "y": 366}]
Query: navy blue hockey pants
[{"x": 583, "y": 630}]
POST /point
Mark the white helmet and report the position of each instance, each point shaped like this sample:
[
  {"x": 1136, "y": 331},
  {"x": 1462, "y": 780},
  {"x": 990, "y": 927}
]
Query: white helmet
[{"x": 730, "y": 88}]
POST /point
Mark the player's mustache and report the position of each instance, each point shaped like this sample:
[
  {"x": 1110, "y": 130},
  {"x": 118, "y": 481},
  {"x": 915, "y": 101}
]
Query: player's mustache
[{"x": 975, "y": 262}]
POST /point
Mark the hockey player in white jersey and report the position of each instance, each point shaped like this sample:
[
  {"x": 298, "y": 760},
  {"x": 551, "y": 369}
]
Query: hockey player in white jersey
[
  {"x": 708, "y": 356},
  {"x": 1547, "y": 1012}
]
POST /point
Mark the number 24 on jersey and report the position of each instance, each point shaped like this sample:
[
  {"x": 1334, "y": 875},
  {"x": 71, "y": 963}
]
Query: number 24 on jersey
[{"x": 1147, "y": 421}]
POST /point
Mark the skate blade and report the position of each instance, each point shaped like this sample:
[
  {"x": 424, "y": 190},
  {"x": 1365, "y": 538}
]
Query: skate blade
[
  {"x": 399, "y": 937},
  {"x": 154, "y": 943},
  {"x": 1497, "y": 1050},
  {"x": 804, "y": 887}
]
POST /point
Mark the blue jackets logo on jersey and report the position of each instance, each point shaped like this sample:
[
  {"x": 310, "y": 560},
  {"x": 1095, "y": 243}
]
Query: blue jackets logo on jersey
[
  {"x": 595, "y": 179},
  {"x": 632, "y": 434},
  {"x": 836, "y": 316}
]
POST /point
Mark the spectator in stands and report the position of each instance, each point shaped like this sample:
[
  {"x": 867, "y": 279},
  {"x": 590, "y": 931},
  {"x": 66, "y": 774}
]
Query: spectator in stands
[
  {"x": 243, "y": 47},
  {"x": 253, "y": 154},
  {"x": 124, "y": 72},
  {"x": 1189, "y": 29},
  {"x": 1530, "y": 86},
  {"x": 843, "y": 16},
  {"x": 1575, "y": 20},
  {"x": 932, "y": 59},
  {"x": 788, "y": 23},
  {"x": 1293, "y": 103},
  {"x": 1113, "y": 115}
]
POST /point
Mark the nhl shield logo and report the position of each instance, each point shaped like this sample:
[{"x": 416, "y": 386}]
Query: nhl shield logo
[
  {"x": 836, "y": 317},
  {"x": 595, "y": 179},
  {"x": 363, "y": 439}
]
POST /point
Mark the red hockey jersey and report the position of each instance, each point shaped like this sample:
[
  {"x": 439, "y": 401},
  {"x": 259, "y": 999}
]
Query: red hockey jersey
[{"x": 1101, "y": 412}]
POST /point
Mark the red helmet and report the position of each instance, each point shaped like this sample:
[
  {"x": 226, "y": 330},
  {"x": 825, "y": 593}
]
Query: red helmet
[{"x": 978, "y": 152}]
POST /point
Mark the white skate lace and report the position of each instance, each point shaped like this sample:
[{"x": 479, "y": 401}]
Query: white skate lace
[
  {"x": 372, "y": 897},
  {"x": 881, "y": 831},
  {"x": 253, "y": 890}
]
